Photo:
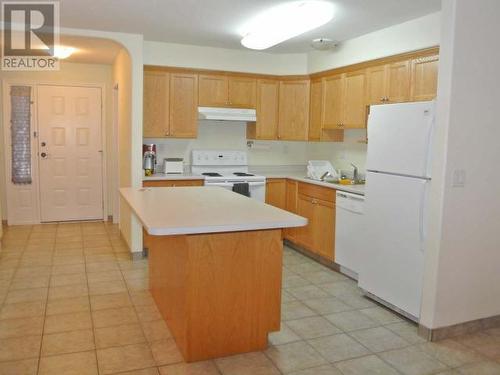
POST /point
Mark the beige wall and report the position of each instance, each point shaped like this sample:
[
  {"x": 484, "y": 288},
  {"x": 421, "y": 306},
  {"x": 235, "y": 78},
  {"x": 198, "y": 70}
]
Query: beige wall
[
  {"x": 462, "y": 275},
  {"x": 70, "y": 73},
  {"x": 122, "y": 77}
]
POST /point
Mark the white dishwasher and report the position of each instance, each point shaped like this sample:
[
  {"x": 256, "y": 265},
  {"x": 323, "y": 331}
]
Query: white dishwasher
[{"x": 348, "y": 227}]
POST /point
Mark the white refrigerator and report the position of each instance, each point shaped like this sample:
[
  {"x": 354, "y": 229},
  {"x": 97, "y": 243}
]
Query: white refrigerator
[{"x": 397, "y": 185}]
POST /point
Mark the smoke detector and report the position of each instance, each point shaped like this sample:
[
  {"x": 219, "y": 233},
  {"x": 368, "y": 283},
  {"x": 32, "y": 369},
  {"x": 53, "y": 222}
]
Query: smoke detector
[{"x": 323, "y": 44}]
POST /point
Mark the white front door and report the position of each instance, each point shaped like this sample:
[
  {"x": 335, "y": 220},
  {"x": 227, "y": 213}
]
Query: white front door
[{"x": 70, "y": 153}]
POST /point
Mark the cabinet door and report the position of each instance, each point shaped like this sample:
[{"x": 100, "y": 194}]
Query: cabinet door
[
  {"x": 316, "y": 110},
  {"x": 156, "y": 107},
  {"x": 242, "y": 92},
  {"x": 293, "y": 110},
  {"x": 213, "y": 91},
  {"x": 355, "y": 109},
  {"x": 333, "y": 92},
  {"x": 424, "y": 74},
  {"x": 267, "y": 109},
  {"x": 376, "y": 84},
  {"x": 398, "y": 82},
  {"x": 276, "y": 192},
  {"x": 324, "y": 229},
  {"x": 305, "y": 235},
  {"x": 183, "y": 105},
  {"x": 291, "y": 206}
]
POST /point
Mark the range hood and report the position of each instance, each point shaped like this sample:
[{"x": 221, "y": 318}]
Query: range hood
[{"x": 227, "y": 114}]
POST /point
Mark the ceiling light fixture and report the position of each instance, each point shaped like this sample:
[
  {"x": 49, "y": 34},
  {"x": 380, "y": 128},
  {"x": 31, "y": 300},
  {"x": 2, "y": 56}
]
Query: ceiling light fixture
[
  {"x": 285, "y": 21},
  {"x": 62, "y": 52}
]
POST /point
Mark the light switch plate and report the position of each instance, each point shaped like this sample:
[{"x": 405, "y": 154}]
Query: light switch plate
[{"x": 459, "y": 178}]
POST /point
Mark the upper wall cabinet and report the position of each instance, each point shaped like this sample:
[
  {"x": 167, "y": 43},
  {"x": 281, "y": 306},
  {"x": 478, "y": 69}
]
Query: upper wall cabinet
[
  {"x": 227, "y": 91},
  {"x": 388, "y": 83},
  {"x": 156, "y": 104},
  {"x": 316, "y": 113},
  {"x": 424, "y": 75},
  {"x": 294, "y": 110},
  {"x": 344, "y": 101},
  {"x": 170, "y": 105},
  {"x": 266, "y": 126}
]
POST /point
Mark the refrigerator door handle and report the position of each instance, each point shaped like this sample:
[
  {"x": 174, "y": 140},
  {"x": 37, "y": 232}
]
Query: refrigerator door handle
[{"x": 422, "y": 217}]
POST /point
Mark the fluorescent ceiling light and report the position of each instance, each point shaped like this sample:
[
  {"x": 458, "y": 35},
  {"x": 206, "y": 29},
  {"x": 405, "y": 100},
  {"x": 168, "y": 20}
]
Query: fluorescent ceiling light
[
  {"x": 62, "y": 52},
  {"x": 285, "y": 21}
]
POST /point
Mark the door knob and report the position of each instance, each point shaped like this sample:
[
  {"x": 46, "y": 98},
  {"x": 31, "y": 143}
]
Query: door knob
[{"x": 43, "y": 155}]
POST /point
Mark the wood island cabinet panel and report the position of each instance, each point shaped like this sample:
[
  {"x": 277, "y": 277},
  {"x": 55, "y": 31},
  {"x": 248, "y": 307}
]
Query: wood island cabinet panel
[
  {"x": 156, "y": 104},
  {"x": 294, "y": 110},
  {"x": 213, "y": 91},
  {"x": 424, "y": 76},
  {"x": 354, "y": 101},
  {"x": 183, "y": 105},
  {"x": 333, "y": 92},
  {"x": 266, "y": 126},
  {"x": 398, "y": 82},
  {"x": 276, "y": 192},
  {"x": 242, "y": 92}
]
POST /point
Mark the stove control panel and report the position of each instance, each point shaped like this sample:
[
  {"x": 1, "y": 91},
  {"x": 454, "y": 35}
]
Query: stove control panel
[{"x": 219, "y": 158}]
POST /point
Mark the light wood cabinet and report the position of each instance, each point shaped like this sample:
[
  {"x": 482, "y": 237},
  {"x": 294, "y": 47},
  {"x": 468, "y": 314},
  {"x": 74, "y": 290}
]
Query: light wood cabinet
[
  {"x": 294, "y": 110},
  {"x": 424, "y": 76},
  {"x": 266, "y": 126},
  {"x": 389, "y": 83},
  {"x": 156, "y": 104},
  {"x": 170, "y": 105},
  {"x": 316, "y": 110},
  {"x": 171, "y": 183},
  {"x": 227, "y": 91},
  {"x": 276, "y": 192},
  {"x": 317, "y": 204},
  {"x": 291, "y": 206},
  {"x": 213, "y": 91},
  {"x": 183, "y": 105},
  {"x": 344, "y": 101}
]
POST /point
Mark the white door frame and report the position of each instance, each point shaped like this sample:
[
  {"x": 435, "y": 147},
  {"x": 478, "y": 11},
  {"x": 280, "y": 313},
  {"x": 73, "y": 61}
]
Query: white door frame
[{"x": 7, "y": 83}]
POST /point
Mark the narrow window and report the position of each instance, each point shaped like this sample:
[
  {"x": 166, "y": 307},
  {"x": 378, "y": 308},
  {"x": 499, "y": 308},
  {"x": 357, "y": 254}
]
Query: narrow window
[{"x": 20, "y": 99}]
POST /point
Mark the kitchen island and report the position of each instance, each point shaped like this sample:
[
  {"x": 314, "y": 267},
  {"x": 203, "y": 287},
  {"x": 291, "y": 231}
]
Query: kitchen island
[{"x": 215, "y": 261}]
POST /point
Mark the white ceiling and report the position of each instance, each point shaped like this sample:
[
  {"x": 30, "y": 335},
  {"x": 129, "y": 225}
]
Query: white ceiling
[
  {"x": 91, "y": 50},
  {"x": 217, "y": 22}
]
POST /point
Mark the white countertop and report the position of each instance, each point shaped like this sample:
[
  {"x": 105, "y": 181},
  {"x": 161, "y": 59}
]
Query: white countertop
[
  {"x": 294, "y": 175},
  {"x": 194, "y": 210}
]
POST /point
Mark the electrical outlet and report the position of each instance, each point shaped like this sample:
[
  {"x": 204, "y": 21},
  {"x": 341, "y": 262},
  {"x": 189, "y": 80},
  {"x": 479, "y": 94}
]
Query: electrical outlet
[{"x": 459, "y": 178}]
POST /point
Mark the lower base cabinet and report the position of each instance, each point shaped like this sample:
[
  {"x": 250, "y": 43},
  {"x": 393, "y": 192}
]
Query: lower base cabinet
[{"x": 317, "y": 204}]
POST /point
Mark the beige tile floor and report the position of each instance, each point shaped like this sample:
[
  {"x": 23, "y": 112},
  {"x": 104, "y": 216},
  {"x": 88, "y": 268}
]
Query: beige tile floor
[{"x": 71, "y": 302}]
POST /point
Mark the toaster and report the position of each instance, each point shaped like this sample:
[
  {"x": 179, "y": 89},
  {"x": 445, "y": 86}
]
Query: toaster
[{"x": 173, "y": 166}]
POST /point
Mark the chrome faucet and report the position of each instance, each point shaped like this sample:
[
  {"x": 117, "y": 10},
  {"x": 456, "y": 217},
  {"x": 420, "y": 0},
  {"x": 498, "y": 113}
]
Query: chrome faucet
[
  {"x": 326, "y": 174},
  {"x": 355, "y": 173}
]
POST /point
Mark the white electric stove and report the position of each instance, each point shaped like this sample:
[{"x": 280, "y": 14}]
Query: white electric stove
[{"x": 227, "y": 169}]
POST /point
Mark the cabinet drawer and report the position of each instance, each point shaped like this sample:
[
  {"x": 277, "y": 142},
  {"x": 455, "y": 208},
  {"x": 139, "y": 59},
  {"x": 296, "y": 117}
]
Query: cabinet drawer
[{"x": 318, "y": 192}]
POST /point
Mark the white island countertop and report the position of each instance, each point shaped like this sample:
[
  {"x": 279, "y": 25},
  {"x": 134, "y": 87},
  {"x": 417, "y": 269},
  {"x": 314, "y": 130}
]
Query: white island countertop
[{"x": 195, "y": 210}]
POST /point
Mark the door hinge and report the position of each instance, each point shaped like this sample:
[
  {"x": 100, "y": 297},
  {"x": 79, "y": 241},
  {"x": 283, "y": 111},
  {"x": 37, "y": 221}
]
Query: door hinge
[{"x": 35, "y": 135}]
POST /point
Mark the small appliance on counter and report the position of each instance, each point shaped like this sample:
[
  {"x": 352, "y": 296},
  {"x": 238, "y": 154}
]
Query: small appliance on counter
[
  {"x": 321, "y": 170},
  {"x": 173, "y": 165},
  {"x": 149, "y": 158}
]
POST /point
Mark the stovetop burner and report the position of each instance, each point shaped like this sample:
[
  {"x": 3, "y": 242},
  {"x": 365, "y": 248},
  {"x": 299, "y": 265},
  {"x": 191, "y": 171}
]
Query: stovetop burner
[
  {"x": 242, "y": 174},
  {"x": 212, "y": 174}
]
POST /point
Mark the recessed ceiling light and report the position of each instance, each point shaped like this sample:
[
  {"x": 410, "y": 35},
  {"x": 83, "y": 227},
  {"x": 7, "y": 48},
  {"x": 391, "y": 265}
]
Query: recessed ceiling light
[
  {"x": 63, "y": 52},
  {"x": 285, "y": 21}
]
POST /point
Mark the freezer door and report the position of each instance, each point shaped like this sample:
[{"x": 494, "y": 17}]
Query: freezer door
[
  {"x": 399, "y": 138},
  {"x": 393, "y": 256}
]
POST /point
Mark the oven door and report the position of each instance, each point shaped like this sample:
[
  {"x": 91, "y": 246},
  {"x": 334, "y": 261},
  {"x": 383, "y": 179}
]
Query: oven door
[{"x": 257, "y": 189}]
